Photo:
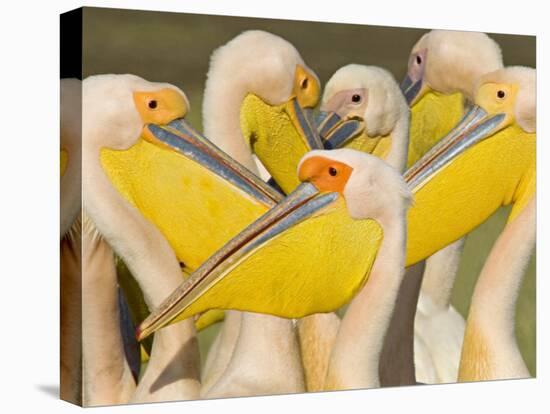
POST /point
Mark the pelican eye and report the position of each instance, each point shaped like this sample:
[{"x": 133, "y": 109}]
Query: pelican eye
[
  {"x": 304, "y": 83},
  {"x": 356, "y": 98},
  {"x": 152, "y": 104},
  {"x": 418, "y": 59},
  {"x": 501, "y": 94},
  {"x": 333, "y": 172}
]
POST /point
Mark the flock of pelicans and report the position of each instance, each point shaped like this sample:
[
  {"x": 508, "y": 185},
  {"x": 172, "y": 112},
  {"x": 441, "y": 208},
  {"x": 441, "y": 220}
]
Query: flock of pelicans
[{"x": 281, "y": 216}]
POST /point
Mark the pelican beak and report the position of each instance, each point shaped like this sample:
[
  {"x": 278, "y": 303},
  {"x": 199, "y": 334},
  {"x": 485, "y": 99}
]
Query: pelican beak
[
  {"x": 302, "y": 119},
  {"x": 296, "y": 123},
  {"x": 473, "y": 128},
  {"x": 180, "y": 137},
  {"x": 336, "y": 132},
  {"x": 184, "y": 302},
  {"x": 280, "y": 135},
  {"x": 412, "y": 89}
]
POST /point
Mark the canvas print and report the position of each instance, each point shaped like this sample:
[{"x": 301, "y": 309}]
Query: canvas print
[{"x": 257, "y": 207}]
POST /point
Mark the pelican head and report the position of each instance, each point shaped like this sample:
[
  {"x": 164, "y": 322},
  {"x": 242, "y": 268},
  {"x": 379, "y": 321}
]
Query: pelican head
[
  {"x": 449, "y": 61},
  {"x": 268, "y": 65},
  {"x": 256, "y": 89},
  {"x": 371, "y": 95},
  {"x": 370, "y": 186},
  {"x": 511, "y": 91},
  {"x": 366, "y": 92},
  {"x": 288, "y": 262},
  {"x": 126, "y": 104}
]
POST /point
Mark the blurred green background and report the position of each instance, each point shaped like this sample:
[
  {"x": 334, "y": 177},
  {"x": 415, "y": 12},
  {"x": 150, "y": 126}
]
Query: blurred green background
[{"x": 175, "y": 48}]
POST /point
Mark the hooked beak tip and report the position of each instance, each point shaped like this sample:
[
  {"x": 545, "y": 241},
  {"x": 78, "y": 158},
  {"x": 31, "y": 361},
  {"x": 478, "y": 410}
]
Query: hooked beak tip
[{"x": 142, "y": 332}]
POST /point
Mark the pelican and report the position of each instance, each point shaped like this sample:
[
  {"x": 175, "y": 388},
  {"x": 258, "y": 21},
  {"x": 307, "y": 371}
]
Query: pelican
[
  {"x": 70, "y": 244},
  {"x": 383, "y": 195},
  {"x": 115, "y": 109},
  {"x": 495, "y": 180},
  {"x": 107, "y": 377},
  {"x": 253, "y": 353},
  {"x": 70, "y": 321},
  {"x": 443, "y": 70},
  {"x": 369, "y": 93},
  {"x": 70, "y": 124},
  {"x": 451, "y": 175},
  {"x": 94, "y": 371},
  {"x": 490, "y": 349}
]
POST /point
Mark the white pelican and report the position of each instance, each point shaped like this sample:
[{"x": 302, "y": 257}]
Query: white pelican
[
  {"x": 253, "y": 353},
  {"x": 70, "y": 124},
  {"x": 114, "y": 110},
  {"x": 378, "y": 191},
  {"x": 97, "y": 372},
  {"x": 371, "y": 94},
  {"x": 70, "y": 244},
  {"x": 107, "y": 380},
  {"x": 70, "y": 316},
  {"x": 444, "y": 67},
  {"x": 107, "y": 377},
  {"x": 490, "y": 349}
]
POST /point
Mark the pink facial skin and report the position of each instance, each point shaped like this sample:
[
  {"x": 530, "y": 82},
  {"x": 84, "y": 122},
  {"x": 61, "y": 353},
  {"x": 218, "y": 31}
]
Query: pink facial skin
[
  {"x": 417, "y": 65},
  {"x": 347, "y": 102}
]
